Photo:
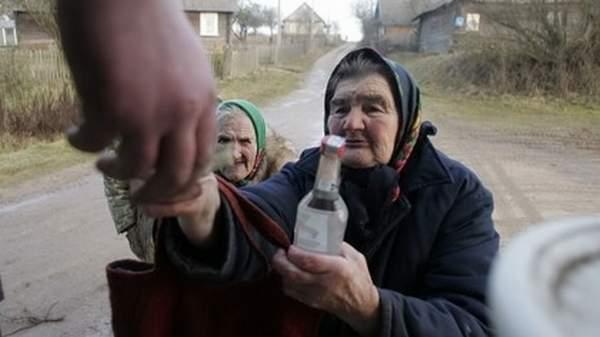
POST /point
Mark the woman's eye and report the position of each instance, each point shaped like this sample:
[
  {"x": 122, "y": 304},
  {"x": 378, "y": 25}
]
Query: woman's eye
[
  {"x": 340, "y": 111},
  {"x": 372, "y": 109},
  {"x": 223, "y": 140}
]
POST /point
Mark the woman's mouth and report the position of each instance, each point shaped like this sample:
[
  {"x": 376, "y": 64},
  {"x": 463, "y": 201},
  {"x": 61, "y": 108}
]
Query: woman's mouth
[{"x": 356, "y": 143}]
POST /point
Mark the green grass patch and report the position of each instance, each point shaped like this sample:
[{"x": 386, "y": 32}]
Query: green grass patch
[
  {"x": 38, "y": 159},
  {"x": 260, "y": 87},
  {"x": 263, "y": 86},
  {"x": 514, "y": 111},
  {"x": 502, "y": 111}
]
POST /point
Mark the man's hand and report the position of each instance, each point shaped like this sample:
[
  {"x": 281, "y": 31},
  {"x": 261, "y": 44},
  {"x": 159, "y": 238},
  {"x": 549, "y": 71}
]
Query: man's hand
[
  {"x": 340, "y": 285},
  {"x": 196, "y": 216},
  {"x": 143, "y": 77}
]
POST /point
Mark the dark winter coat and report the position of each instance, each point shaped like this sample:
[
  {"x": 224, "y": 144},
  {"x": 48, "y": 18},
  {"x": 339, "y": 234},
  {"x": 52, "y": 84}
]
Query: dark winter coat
[
  {"x": 428, "y": 248},
  {"x": 430, "y": 257}
]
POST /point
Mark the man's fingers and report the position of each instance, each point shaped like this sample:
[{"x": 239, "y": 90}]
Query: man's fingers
[
  {"x": 206, "y": 138},
  {"x": 135, "y": 157},
  {"x": 183, "y": 207},
  {"x": 174, "y": 170},
  {"x": 170, "y": 210},
  {"x": 90, "y": 137},
  {"x": 190, "y": 192}
]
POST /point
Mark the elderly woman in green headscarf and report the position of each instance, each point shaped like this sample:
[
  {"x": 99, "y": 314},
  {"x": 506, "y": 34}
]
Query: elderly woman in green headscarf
[
  {"x": 256, "y": 151},
  {"x": 248, "y": 151}
]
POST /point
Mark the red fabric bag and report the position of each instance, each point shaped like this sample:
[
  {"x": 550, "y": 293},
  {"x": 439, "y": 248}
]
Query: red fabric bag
[{"x": 156, "y": 301}]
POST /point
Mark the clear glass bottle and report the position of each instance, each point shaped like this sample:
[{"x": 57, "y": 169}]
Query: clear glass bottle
[{"x": 322, "y": 214}]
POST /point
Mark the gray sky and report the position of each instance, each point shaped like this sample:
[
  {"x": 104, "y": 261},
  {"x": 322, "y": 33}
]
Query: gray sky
[{"x": 329, "y": 10}]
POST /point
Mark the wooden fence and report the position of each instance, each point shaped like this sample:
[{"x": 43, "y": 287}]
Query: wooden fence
[
  {"x": 48, "y": 65},
  {"x": 45, "y": 65},
  {"x": 242, "y": 61}
]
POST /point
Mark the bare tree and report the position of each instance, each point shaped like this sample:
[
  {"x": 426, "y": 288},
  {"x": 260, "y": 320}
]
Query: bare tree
[
  {"x": 269, "y": 18},
  {"x": 546, "y": 27},
  {"x": 561, "y": 37},
  {"x": 44, "y": 14},
  {"x": 364, "y": 10},
  {"x": 335, "y": 28},
  {"x": 249, "y": 15},
  {"x": 7, "y": 5}
]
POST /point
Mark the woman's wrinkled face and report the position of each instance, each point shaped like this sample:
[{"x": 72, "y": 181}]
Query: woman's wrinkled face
[
  {"x": 238, "y": 134},
  {"x": 363, "y": 111}
]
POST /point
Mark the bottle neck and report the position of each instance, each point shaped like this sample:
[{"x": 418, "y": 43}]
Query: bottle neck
[{"x": 328, "y": 177}]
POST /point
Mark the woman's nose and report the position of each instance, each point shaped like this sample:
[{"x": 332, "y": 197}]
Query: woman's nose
[
  {"x": 237, "y": 150},
  {"x": 354, "y": 119}
]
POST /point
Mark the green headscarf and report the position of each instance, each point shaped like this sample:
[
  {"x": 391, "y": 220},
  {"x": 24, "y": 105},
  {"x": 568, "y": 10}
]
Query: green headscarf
[
  {"x": 260, "y": 130},
  {"x": 260, "y": 127}
]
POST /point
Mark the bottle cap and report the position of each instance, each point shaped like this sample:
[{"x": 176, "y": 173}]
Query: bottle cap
[{"x": 332, "y": 144}]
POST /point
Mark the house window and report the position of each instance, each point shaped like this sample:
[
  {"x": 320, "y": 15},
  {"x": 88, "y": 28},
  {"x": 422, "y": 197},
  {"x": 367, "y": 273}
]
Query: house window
[
  {"x": 209, "y": 24},
  {"x": 8, "y": 37},
  {"x": 472, "y": 22}
]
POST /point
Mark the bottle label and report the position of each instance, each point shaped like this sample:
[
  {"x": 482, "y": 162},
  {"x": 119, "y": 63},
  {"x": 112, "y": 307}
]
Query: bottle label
[
  {"x": 326, "y": 186},
  {"x": 312, "y": 230}
]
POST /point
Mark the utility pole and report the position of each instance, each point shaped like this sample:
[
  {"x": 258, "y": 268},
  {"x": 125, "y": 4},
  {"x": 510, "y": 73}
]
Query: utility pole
[{"x": 279, "y": 32}]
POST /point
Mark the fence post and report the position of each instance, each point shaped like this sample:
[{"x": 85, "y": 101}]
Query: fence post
[
  {"x": 256, "y": 59},
  {"x": 2, "y": 122},
  {"x": 227, "y": 61}
]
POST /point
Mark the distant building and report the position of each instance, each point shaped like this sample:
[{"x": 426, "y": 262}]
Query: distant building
[
  {"x": 29, "y": 31},
  {"x": 304, "y": 23},
  {"x": 210, "y": 19},
  {"x": 395, "y": 26},
  {"x": 442, "y": 23}
]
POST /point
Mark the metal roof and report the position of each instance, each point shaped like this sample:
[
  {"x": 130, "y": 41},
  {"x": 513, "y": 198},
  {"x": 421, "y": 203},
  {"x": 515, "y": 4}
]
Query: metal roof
[{"x": 395, "y": 12}]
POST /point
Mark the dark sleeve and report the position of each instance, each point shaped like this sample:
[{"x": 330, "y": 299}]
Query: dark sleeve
[
  {"x": 452, "y": 298},
  {"x": 234, "y": 257},
  {"x": 279, "y": 196}
]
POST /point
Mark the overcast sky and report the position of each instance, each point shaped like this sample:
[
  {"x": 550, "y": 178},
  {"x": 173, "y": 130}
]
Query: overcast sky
[{"x": 329, "y": 10}]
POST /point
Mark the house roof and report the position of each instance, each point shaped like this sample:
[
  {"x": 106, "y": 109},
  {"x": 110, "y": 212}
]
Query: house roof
[
  {"x": 395, "y": 12},
  {"x": 425, "y": 6},
  {"x": 302, "y": 12},
  {"x": 404, "y": 12},
  {"x": 210, "y": 5}
]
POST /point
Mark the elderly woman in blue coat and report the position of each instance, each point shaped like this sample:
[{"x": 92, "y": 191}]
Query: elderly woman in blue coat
[{"x": 420, "y": 237}]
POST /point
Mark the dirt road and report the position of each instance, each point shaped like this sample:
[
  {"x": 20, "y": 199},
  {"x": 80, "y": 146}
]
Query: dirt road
[{"x": 56, "y": 234}]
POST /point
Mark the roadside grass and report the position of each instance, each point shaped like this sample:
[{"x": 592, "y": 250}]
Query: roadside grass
[
  {"x": 574, "y": 121},
  {"x": 514, "y": 112},
  {"x": 24, "y": 158},
  {"x": 39, "y": 158},
  {"x": 262, "y": 86},
  {"x": 272, "y": 82}
]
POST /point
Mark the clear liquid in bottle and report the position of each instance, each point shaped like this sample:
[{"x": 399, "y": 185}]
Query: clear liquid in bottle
[{"x": 322, "y": 214}]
